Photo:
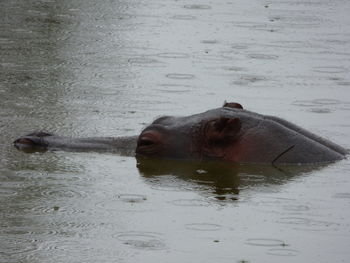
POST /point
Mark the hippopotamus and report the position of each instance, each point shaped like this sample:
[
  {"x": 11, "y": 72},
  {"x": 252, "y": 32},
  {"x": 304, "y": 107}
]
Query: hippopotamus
[{"x": 229, "y": 133}]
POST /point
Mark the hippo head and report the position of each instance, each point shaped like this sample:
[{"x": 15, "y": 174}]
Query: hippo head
[
  {"x": 207, "y": 135},
  {"x": 228, "y": 133},
  {"x": 233, "y": 134}
]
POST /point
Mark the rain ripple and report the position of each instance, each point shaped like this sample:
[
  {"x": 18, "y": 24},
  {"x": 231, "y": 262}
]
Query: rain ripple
[
  {"x": 342, "y": 195},
  {"x": 316, "y": 110},
  {"x": 322, "y": 105},
  {"x": 240, "y": 46},
  {"x": 7, "y": 192},
  {"x": 127, "y": 203},
  {"x": 263, "y": 56},
  {"x": 249, "y": 79},
  {"x": 39, "y": 210},
  {"x": 283, "y": 252},
  {"x": 63, "y": 193},
  {"x": 174, "y": 88},
  {"x": 184, "y": 17},
  {"x": 15, "y": 245},
  {"x": 29, "y": 231},
  {"x": 190, "y": 202},
  {"x": 132, "y": 198},
  {"x": 308, "y": 103},
  {"x": 331, "y": 70},
  {"x": 180, "y": 76},
  {"x": 73, "y": 226},
  {"x": 297, "y": 208},
  {"x": 233, "y": 68},
  {"x": 197, "y": 6},
  {"x": 173, "y": 55},
  {"x": 203, "y": 227},
  {"x": 343, "y": 83},
  {"x": 306, "y": 224},
  {"x": 209, "y": 41},
  {"x": 62, "y": 247},
  {"x": 142, "y": 240},
  {"x": 145, "y": 62},
  {"x": 265, "y": 242},
  {"x": 169, "y": 187}
]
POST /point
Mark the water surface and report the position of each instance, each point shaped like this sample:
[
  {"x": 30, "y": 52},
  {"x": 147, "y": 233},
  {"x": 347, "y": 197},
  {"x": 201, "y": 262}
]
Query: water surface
[{"x": 86, "y": 68}]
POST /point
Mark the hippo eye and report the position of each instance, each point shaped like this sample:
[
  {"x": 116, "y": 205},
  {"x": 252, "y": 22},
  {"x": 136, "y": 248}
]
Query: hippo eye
[
  {"x": 149, "y": 143},
  {"x": 145, "y": 142}
]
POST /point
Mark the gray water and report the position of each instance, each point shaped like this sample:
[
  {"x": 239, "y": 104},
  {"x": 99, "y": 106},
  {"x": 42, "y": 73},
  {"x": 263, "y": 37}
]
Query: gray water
[{"x": 107, "y": 68}]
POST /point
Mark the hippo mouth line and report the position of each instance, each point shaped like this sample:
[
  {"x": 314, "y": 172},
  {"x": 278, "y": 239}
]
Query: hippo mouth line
[{"x": 282, "y": 153}]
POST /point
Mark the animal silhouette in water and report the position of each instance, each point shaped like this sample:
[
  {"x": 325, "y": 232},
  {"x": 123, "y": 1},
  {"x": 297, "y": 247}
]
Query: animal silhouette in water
[{"x": 228, "y": 133}]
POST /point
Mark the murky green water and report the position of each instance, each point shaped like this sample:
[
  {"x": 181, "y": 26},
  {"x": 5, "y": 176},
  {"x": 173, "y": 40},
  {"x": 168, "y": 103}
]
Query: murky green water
[{"x": 85, "y": 68}]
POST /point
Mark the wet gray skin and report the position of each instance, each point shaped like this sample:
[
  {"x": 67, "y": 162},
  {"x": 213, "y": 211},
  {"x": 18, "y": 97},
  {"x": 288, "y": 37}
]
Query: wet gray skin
[
  {"x": 228, "y": 133},
  {"x": 42, "y": 141}
]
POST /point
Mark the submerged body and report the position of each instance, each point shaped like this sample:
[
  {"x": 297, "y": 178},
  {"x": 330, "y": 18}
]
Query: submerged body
[{"x": 229, "y": 133}]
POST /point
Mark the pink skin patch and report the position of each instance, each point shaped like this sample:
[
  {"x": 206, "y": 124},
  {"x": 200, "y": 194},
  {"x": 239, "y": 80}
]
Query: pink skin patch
[{"x": 24, "y": 141}]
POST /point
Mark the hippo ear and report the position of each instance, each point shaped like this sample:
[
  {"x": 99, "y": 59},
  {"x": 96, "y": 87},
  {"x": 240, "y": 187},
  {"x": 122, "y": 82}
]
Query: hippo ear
[
  {"x": 233, "y": 105},
  {"x": 222, "y": 130},
  {"x": 219, "y": 134}
]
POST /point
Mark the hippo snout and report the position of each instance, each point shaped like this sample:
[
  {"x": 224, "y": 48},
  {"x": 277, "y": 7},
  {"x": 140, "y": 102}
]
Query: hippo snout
[{"x": 32, "y": 140}]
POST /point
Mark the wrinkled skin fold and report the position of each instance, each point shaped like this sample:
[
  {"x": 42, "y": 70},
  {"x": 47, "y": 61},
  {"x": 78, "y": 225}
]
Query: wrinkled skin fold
[{"x": 229, "y": 134}]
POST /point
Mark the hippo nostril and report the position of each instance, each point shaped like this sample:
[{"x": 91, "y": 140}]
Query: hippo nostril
[{"x": 24, "y": 141}]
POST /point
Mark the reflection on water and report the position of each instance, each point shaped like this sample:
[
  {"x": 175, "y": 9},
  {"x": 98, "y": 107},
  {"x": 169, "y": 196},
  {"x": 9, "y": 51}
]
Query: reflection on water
[
  {"x": 107, "y": 68},
  {"x": 220, "y": 180}
]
